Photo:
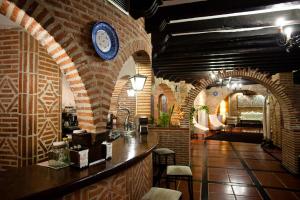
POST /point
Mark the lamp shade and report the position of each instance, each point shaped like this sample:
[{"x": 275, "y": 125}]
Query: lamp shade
[
  {"x": 131, "y": 93},
  {"x": 138, "y": 82}
]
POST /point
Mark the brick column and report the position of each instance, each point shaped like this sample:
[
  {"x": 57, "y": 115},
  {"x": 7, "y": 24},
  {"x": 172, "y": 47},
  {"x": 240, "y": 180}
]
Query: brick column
[
  {"x": 27, "y": 138},
  {"x": 143, "y": 100}
]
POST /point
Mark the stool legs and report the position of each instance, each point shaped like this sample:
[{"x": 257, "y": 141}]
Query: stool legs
[
  {"x": 191, "y": 190},
  {"x": 159, "y": 159},
  {"x": 189, "y": 180}
]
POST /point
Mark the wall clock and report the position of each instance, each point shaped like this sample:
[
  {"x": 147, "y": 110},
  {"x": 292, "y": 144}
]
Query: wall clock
[{"x": 105, "y": 40}]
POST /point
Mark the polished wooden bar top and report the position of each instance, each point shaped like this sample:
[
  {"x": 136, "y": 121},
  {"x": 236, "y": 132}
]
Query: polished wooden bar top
[{"x": 37, "y": 182}]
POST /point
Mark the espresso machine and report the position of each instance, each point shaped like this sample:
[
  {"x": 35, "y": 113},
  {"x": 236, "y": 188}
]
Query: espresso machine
[{"x": 143, "y": 125}]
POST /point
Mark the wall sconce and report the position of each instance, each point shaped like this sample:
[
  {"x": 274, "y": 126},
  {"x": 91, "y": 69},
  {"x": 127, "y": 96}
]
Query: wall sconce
[{"x": 131, "y": 92}]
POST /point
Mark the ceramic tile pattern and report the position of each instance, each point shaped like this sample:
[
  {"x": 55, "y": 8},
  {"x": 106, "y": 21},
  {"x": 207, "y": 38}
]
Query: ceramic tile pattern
[{"x": 238, "y": 171}]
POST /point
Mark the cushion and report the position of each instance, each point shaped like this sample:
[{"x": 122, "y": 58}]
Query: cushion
[
  {"x": 163, "y": 151},
  {"x": 178, "y": 170},
  {"x": 162, "y": 194}
]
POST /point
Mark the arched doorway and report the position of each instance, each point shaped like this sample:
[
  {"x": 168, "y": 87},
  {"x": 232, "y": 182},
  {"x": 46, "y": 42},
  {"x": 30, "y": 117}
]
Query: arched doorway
[
  {"x": 58, "y": 54},
  {"x": 290, "y": 150},
  {"x": 140, "y": 104}
]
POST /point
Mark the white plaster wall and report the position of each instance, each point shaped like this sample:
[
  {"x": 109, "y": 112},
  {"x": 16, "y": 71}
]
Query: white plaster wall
[
  {"x": 67, "y": 94},
  {"x": 128, "y": 68}
]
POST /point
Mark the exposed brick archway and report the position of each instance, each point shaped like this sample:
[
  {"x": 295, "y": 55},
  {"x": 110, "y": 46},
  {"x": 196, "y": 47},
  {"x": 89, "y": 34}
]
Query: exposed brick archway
[
  {"x": 51, "y": 39},
  {"x": 120, "y": 83},
  {"x": 164, "y": 89},
  {"x": 140, "y": 51},
  {"x": 290, "y": 149}
]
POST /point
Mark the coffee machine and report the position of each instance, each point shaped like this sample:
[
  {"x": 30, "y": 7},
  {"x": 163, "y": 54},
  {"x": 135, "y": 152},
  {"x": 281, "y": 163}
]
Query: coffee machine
[{"x": 143, "y": 125}]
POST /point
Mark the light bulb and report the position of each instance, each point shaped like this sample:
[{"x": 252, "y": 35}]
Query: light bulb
[
  {"x": 280, "y": 22},
  {"x": 288, "y": 31}
]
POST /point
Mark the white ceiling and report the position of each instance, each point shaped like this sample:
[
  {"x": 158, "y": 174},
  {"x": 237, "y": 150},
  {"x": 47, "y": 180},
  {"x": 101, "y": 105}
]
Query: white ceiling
[{"x": 6, "y": 23}]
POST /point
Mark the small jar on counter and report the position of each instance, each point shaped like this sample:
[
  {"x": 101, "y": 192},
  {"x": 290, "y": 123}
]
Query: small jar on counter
[{"x": 59, "y": 156}]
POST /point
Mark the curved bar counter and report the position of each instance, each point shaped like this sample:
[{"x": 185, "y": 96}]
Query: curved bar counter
[{"x": 128, "y": 174}]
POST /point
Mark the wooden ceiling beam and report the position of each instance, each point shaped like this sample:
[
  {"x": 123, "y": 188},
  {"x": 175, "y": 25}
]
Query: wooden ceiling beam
[
  {"x": 235, "y": 22},
  {"x": 217, "y": 7}
]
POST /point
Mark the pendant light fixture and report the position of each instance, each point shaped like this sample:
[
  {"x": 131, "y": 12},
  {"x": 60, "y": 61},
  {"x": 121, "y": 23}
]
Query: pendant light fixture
[{"x": 138, "y": 81}]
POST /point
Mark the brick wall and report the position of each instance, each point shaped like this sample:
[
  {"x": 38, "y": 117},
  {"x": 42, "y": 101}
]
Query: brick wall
[
  {"x": 276, "y": 122},
  {"x": 63, "y": 28},
  {"x": 177, "y": 140},
  {"x": 49, "y": 103},
  {"x": 126, "y": 102},
  {"x": 132, "y": 183},
  {"x": 284, "y": 91},
  {"x": 163, "y": 89},
  {"x": 116, "y": 93},
  {"x": 30, "y": 100},
  {"x": 9, "y": 60},
  {"x": 290, "y": 137}
]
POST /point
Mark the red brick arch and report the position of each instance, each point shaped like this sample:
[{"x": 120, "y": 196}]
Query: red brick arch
[
  {"x": 290, "y": 149},
  {"x": 120, "y": 83},
  {"x": 164, "y": 89},
  {"x": 140, "y": 50},
  {"x": 52, "y": 40}
]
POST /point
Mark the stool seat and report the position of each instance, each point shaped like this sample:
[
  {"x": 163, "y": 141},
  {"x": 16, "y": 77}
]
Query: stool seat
[
  {"x": 178, "y": 170},
  {"x": 162, "y": 194},
  {"x": 163, "y": 151}
]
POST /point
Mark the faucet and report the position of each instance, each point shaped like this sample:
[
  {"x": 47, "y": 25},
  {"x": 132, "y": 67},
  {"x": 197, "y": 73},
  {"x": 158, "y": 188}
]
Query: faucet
[{"x": 126, "y": 123}]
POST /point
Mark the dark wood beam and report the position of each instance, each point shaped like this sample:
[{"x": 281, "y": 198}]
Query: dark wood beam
[
  {"x": 235, "y": 22},
  {"x": 225, "y": 61},
  {"x": 217, "y": 7}
]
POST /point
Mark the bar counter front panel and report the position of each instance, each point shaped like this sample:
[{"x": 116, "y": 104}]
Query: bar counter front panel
[{"x": 127, "y": 175}]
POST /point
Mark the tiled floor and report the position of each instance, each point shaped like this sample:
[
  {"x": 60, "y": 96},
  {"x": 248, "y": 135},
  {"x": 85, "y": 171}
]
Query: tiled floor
[{"x": 239, "y": 171}]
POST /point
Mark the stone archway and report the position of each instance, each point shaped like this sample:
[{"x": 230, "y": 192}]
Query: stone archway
[
  {"x": 58, "y": 54},
  {"x": 290, "y": 149}
]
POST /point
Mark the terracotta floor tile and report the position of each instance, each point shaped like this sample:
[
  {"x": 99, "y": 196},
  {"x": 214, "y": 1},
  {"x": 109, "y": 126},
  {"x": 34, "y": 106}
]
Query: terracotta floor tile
[
  {"x": 216, "y": 171},
  {"x": 216, "y": 196},
  {"x": 219, "y": 178},
  {"x": 237, "y": 172},
  {"x": 225, "y": 164},
  {"x": 219, "y": 188},
  {"x": 245, "y": 191},
  {"x": 218, "y": 147},
  {"x": 257, "y": 155},
  {"x": 247, "y": 198},
  {"x": 288, "y": 180},
  {"x": 268, "y": 179},
  {"x": 221, "y": 154},
  {"x": 264, "y": 165},
  {"x": 281, "y": 195},
  {"x": 209, "y": 142},
  {"x": 183, "y": 187},
  {"x": 240, "y": 179}
]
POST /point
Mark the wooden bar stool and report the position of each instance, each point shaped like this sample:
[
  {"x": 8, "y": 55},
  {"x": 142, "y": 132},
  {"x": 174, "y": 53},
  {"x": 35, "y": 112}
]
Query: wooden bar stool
[
  {"x": 178, "y": 172},
  {"x": 161, "y": 156},
  {"x": 156, "y": 193}
]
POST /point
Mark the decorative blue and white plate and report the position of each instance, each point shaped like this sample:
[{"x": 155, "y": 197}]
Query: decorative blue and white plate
[{"x": 105, "y": 40}]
